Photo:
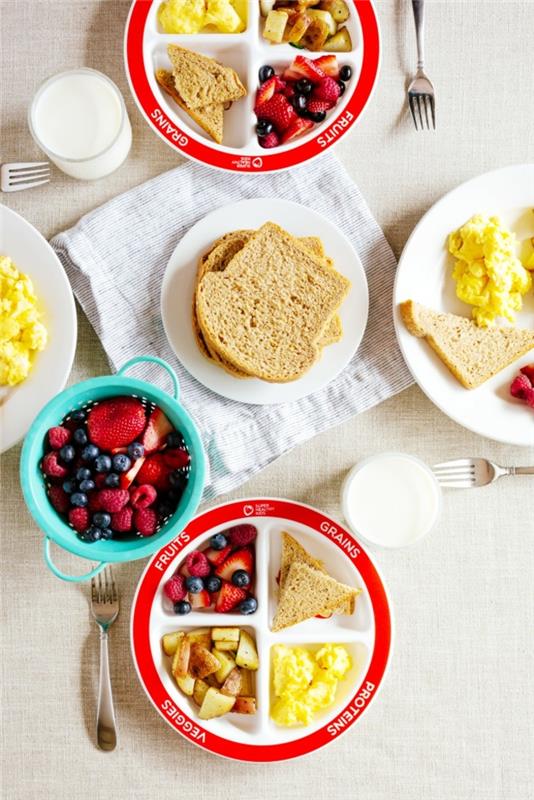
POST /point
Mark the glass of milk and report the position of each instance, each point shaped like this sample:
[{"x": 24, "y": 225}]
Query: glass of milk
[
  {"x": 80, "y": 121},
  {"x": 391, "y": 499}
]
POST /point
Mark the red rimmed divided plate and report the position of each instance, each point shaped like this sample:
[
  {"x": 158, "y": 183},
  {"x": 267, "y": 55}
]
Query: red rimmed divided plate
[
  {"x": 366, "y": 634},
  {"x": 145, "y": 51}
]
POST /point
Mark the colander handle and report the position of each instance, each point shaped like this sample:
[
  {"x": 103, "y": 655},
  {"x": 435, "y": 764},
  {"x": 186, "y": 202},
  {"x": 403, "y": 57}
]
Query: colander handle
[
  {"x": 62, "y": 575},
  {"x": 154, "y": 360}
]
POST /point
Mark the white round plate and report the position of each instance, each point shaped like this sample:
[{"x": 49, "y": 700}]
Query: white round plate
[
  {"x": 424, "y": 274},
  {"x": 179, "y": 282},
  {"x": 31, "y": 253},
  {"x": 367, "y": 633}
]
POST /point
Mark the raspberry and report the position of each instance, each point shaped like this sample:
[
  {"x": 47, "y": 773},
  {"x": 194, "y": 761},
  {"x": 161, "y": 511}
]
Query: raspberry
[
  {"x": 112, "y": 500},
  {"x": 317, "y": 106},
  {"x": 529, "y": 398},
  {"x": 197, "y": 564},
  {"x": 176, "y": 458},
  {"x": 79, "y": 519},
  {"x": 529, "y": 372},
  {"x": 327, "y": 90},
  {"x": 520, "y": 387},
  {"x": 155, "y": 472},
  {"x": 51, "y": 466},
  {"x": 175, "y": 589},
  {"x": 142, "y": 496},
  {"x": 277, "y": 110},
  {"x": 93, "y": 502},
  {"x": 145, "y": 521},
  {"x": 59, "y": 499},
  {"x": 58, "y": 437},
  {"x": 241, "y": 535},
  {"x": 121, "y": 521},
  {"x": 100, "y": 480},
  {"x": 271, "y": 140}
]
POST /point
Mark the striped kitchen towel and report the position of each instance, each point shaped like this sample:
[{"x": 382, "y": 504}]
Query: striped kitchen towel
[{"x": 115, "y": 258}]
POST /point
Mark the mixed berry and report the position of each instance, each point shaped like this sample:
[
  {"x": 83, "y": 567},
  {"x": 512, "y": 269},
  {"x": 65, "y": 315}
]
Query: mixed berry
[
  {"x": 218, "y": 578},
  {"x": 290, "y": 104},
  {"x": 116, "y": 469},
  {"x": 522, "y": 387}
]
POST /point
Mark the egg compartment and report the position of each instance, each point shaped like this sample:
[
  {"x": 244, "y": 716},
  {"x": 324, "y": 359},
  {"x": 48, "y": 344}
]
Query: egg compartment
[
  {"x": 245, "y": 52},
  {"x": 356, "y": 632}
]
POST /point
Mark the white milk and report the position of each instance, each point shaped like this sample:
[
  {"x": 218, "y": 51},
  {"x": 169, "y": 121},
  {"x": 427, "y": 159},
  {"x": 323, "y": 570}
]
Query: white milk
[
  {"x": 79, "y": 119},
  {"x": 391, "y": 499}
]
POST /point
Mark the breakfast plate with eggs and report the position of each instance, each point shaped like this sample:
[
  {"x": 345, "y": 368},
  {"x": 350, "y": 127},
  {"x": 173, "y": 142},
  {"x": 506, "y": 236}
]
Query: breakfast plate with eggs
[
  {"x": 263, "y": 631},
  {"x": 464, "y": 304},
  {"x": 37, "y": 322},
  {"x": 251, "y": 86}
]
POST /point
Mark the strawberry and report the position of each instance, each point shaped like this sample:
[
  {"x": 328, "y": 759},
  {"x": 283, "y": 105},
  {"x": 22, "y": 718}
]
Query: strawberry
[
  {"x": 200, "y": 599},
  {"x": 271, "y": 140},
  {"x": 241, "y": 535},
  {"x": 155, "y": 472},
  {"x": 529, "y": 372},
  {"x": 127, "y": 478},
  {"x": 217, "y": 557},
  {"x": 229, "y": 597},
  {"x": 116, "y": 422},
  {"x": 279, "y": 111},
  {"x": 176, "y": 458},
  {"x": 58, "y": 437},
  {"x": 299, "y": 126},
  {"x": 329, "y": 66},
  {"x": 267, "y": 90},
  {"x": 156, "y": 431},
  {"x": 303, "y": 67},
  {"x": 317, "y": 106},
  {"x": 327, "y": 91},
  {"x": 241, "y": 559}
]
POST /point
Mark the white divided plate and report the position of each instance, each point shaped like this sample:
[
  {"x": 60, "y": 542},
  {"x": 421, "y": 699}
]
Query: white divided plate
[
  {"x": 31, "y": 253},
  {"x": 178, "y": 288},
  {"x": 424, "y": 274},
  {"x": 367, "y": 634},
  {"x": 145, "y": 50}
]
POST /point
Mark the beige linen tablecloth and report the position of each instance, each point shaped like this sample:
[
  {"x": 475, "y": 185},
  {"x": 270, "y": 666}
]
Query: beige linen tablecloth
[{"x": 454, "y": 719}]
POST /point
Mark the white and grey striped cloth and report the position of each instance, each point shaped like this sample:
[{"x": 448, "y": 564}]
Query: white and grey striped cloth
[{"x": 115, "y": 258}]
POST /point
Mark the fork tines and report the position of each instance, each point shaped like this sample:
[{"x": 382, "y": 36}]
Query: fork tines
[
  {"x": 416, "y": 100},
  {"x": 23, "y": 175},
  {"x": 104, "y": 591}
]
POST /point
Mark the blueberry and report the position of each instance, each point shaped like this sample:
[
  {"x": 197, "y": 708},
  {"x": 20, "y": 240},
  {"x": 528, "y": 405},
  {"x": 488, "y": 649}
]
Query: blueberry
[
  {"x": 93, "y": 534},
  {"x": 83, "y": 474},
  {"x": 107, "y": 533},
  {"x": 213, "y": 583},
  {"x": 345, "y": 73},
  {"x": 241, "y": 578},
  {"x": 174, "y": 439},
  {"x": 70, "y": 486},
  {"x": 317, "y": 116},
  {"x": 112, "y": 480},
  {"x": 177, "y": 479},
  {"x": 248, "y": 606},
  {"x": 136, "y": 450},
  {"x": 67, "y": 453},
  {"x": 101, "y": 519},
  {"x": 78, "y": 499},
  {"x": 264, "y": 127},
  {"x": 342, "y": 87},
  {"x": 87, "y": 485},
  {"x": 300, "y": 102},
  {"x": 102, "y": 463},
  {"x": 90, "y": 452},
  {"x": 183, "y": 607},
  {"x": 121, "y": 463},
  {"x": 265, "y": 73},
  {"x": 165, "y": 509},
  {"x": 79, "y": 416},
  {"x": 304, "y": 86},
  {"x": 218, "y": 541},
  {"x": 174, "y": 496},
  {"x": 84, "y": 536},
  {"x": 194, "y": 584},
  {"x": 80, "y": 436}
]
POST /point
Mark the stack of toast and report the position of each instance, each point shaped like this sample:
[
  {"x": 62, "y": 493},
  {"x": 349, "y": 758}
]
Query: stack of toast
[
  {"x": 202, "y": 87},
  {"x": 266, "y": 303},
  {"x": 306, "y": 589}
]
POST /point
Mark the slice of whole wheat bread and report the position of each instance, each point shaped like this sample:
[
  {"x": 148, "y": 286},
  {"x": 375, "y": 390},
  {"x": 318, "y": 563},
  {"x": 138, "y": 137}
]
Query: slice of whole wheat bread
[
  {"x": 472, "y": 354},
  {"x": 308, "y": 592},
  {"x": 268, "y": 310},
  {"x": 202, "y": 81},
  {"x": 209, "y": 118}
]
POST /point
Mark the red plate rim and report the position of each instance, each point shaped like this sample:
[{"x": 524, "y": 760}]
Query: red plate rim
[
  {"x": 140, "y": 630},
  {"x": 197, "y": 148}
]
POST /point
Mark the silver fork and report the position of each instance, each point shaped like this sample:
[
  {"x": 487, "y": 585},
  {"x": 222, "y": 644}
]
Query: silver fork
[
  {"x": 15, "y": 177},
  {"x": 421, "y": 95},
  {"x": 105, "y": 609},
  {"x": 467, "y": 473}
]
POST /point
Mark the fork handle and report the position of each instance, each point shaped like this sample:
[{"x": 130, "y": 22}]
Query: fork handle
[
  {"x": 520, "y": 470},
  {"x": 106, "y": 732},
  {"x": 419, "y": 17}
]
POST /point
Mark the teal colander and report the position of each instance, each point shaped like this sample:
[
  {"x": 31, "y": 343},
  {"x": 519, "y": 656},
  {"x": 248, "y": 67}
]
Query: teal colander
[{"x": 83, "y": 395}]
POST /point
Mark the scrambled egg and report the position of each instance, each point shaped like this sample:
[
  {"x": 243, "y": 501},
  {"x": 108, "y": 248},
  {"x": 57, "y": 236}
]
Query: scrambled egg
[
  {"x": 22, "y": 333},
  {"x": 191, "y": 16},
  {"x": 488, "y": 273},
  {"x": 305, "y": 682}
]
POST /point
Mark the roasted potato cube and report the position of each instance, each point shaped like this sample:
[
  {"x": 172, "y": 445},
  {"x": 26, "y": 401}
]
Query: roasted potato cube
[
  {"x": 226, "y": 665},
  {"x": 297, "y": 27},
  {"x": 275, "y": 25},
  {"x": 169, "y": 642},
  {"x": 180, "y": 661},
  {"x": 186, "y": 684},
  {"x": 200, "y": 635},
  {"x": 340, "y": 43},
  {"x": 247, "y": 683},
  {"x": 244, "y": 705},
  {"x": 225, "y": 645},
  {"x": 266, "y": 6},
  {"x": 202, "y": 662},
  {"x": 247, "y": 655},
  {"x": 316, "y": 35},
  {"x": 225, "y": 634},
  {"x": 338, "y": 8},
  {"x": 215, "y": 704},
  {"x": 232, "y": 684},
  {"x": 325, "y": 16},
  {"x": 199, "y": 691}
]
